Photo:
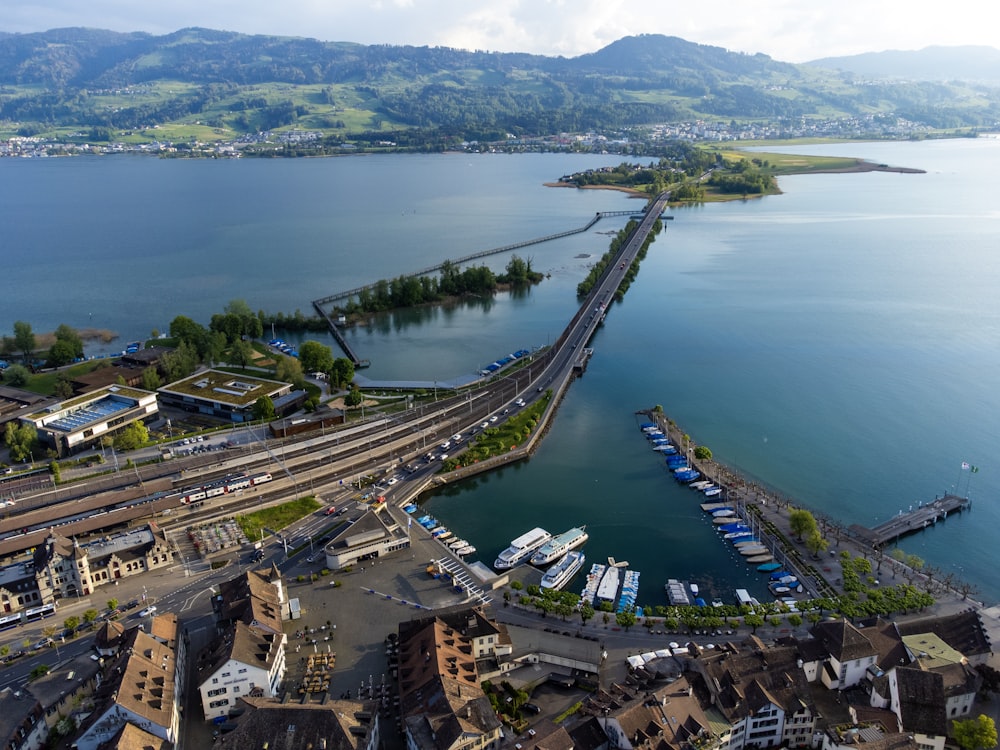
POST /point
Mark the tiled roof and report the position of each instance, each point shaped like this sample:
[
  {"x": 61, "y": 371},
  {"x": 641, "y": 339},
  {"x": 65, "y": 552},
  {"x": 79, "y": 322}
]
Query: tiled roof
[
  {"x": 270, "y": 723},
  {"x": 844, "y": 641},
  {"x": 921, "y": 701}
]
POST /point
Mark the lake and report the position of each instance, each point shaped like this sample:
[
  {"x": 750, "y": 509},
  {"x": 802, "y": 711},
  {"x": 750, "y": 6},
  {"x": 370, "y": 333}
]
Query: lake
[{"x": 838, "y": 343}]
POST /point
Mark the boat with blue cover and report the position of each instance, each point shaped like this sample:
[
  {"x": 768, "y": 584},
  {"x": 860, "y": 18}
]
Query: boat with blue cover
[{"x": 769, "y": 567}]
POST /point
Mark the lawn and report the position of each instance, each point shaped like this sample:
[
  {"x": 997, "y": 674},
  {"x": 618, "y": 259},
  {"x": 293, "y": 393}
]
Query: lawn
[{"x": 277, "y": 517}]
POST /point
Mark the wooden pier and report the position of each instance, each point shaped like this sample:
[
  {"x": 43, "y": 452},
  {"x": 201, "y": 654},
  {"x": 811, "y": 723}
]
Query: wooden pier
[{"x": 913, "y": 520}]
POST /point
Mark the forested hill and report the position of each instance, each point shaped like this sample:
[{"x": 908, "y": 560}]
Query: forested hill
[{"x": 229, "y": 84}]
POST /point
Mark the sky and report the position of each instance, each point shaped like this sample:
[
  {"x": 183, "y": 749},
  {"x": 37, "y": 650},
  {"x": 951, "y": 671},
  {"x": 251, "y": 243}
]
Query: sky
[{"x": 787, "y": 30}]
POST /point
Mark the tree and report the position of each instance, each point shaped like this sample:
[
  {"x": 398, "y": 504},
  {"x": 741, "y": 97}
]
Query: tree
[
  {"x": 703, "y": 453},
  {"x": 815, "y": 543},
  {"x": 67, "y": 347},
  {"x": 626, "y": 619},
  {"x": 263, "y": 409},
  {"x": 71, "y": 623},
  {"x": 112, "y": 604},
  {"x": 801, "y": 522},
  {"x": 151, "y": 379},
  {"x": 342, "y": 372},
  {"x": 63, "y": 388},
  {"x": 354, "y": 398},
  {"x": 315, "y": 357},
  {"x": 753, "y": 620},
  {"x": 24, "y": 339},
  {"x": 975, "y": 734},
  {"x": 289, "y": 370},
  {"x": 586, "y": 612},
  {"x": 90, "y": 615},
  {"x": 20, "y": 438},
  {"x": 131, "y": 437},
  {"x": 16, "y": 376},
  {"x": 241, "y": 353}
]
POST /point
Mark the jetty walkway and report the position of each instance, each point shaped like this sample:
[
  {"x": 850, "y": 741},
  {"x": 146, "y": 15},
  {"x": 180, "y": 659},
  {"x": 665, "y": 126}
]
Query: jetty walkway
[
  {"x": 318, "y": 304},
  {"x": 912, "y": 520}
]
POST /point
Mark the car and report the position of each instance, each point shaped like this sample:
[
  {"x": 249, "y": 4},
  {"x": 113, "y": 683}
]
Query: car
[
  {"x": 520, "y": 402},
  {"x": 331, "y": 510},
  {"x": 392, "y": 481},
  {"x": 531, "y": 708},
  {"x": 531, "y": 733},
  {"x": 150, "y": 610},
  {"x": 311, "y": 558},
  {"x": 541, "y": 388},
  {"x": 494, "y": 418},
  {"x": 443, "y": 456},
  {"x": 484, "y": 425},
  {"x": 42, "y": 644},
  {"x": 457, "y": 437},
  {"x": 445, "y": 446},
  {"x": 131, "y": 604}
]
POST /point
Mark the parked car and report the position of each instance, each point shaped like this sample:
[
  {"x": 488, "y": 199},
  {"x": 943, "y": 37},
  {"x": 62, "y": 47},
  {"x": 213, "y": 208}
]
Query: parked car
[{"x": 531, "y": 708}]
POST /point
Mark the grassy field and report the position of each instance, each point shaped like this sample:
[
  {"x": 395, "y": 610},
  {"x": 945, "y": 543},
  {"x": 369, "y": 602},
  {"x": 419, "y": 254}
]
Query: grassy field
[{"x": 278, "y": 517}]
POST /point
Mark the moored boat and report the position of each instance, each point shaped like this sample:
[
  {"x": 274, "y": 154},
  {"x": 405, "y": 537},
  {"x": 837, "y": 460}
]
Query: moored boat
[
  {"x": 769, "y": 567},
  {"x": 521, "y": 548},
  {"x": 559, "y": 574},
  {"x": 559, "y": 545}
]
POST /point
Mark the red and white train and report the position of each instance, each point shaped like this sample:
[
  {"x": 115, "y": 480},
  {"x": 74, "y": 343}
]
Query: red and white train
[{"x": 232, "y": 483}]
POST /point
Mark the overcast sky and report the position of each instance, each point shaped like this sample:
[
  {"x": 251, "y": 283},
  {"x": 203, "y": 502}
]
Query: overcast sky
[{"x": 787, "y": 30}]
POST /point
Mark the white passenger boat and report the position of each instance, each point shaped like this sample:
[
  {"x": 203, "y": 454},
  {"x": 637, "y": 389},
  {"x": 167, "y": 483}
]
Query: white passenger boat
[
  {"x": 559, "y": 574},
  {"x": 559, "y": 545},
  {"x": 521, "y": 549},
  {"x": 455, "y": 544}
]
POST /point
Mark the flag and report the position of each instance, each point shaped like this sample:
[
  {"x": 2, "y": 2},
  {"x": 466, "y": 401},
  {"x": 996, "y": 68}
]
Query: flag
[
  {"x": 975, "y": 469},
  {"x": 965, "y": 465}
]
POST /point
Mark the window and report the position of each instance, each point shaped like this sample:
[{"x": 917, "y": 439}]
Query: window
[
  {"x": 215, "y": 680},
  {"x": 217, "y": 691},
  {"x": 242, "y": 671}
]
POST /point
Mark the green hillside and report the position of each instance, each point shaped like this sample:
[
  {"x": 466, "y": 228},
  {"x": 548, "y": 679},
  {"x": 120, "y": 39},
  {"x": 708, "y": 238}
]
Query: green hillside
[{"x": 203, "y": 84}]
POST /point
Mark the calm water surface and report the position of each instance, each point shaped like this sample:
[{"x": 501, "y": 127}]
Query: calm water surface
[{"x": 838, "y": 342}]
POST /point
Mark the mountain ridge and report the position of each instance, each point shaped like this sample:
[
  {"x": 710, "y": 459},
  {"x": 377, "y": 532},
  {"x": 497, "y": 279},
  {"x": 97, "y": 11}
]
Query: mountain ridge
[{"x": 226, "y": 83}]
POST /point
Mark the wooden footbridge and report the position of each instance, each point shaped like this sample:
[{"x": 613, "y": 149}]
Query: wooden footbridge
[
  {"x": 912, "y": 520},
  {"x": 347, "y": 294}
]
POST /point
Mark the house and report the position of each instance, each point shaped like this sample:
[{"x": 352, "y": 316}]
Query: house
[
  {"x": 61, "y": 690},
  {"x": 141, "y": 684},
  {"x": 670, "y": 717},
  {"x": 963, "y": 631},
  {"x": 246, "y": 660},
  {"x": 22, "y": 724},
  {"x": 442, "y": 703},
  {"x": 849, "y": 654},
  {"x": 257, "y": 598},
  {"x": 760, "y": 692},
  {"x": 282, "y": 725}
]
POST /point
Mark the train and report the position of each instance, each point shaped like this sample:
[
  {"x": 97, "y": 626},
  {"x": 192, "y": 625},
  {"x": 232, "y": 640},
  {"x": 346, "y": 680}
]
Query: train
[{"x": 231, "y": 483}]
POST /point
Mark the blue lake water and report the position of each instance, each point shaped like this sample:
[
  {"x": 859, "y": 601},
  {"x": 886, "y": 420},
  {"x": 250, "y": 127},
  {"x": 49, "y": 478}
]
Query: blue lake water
[{"x": 840, "y": 342}]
